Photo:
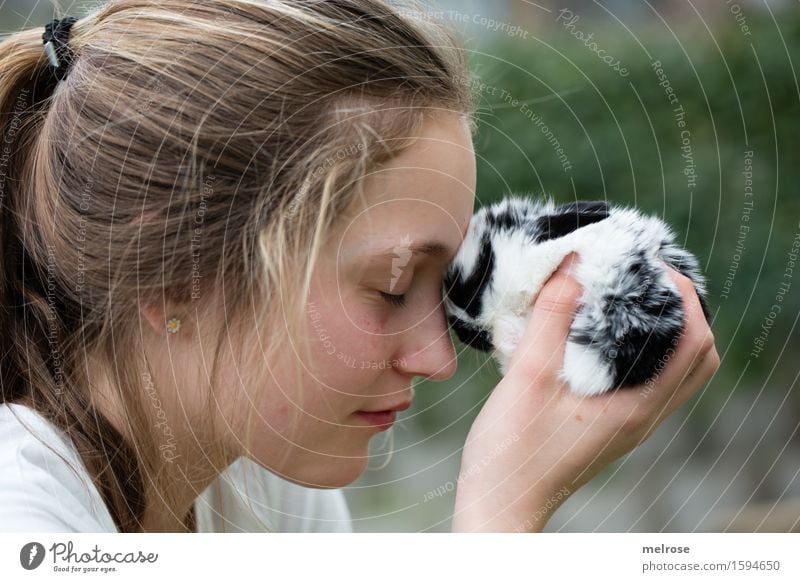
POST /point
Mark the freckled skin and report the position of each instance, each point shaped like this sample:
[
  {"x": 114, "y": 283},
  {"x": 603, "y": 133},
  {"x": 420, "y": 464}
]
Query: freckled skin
[{"x": 425, "y": 193}]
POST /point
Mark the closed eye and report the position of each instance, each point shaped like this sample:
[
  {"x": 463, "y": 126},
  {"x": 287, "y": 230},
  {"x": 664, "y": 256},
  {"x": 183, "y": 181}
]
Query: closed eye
[{"x": 394, "y": 300}]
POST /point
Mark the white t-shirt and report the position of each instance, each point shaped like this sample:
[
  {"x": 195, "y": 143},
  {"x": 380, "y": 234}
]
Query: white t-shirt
[{"x": 39, "y": 492}]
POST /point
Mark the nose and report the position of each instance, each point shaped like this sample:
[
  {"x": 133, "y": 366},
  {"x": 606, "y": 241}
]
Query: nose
[{"x": 428, "y": 349}]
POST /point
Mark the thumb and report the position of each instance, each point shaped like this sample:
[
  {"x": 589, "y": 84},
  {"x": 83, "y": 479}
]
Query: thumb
[{"x": 540, "y": 353}]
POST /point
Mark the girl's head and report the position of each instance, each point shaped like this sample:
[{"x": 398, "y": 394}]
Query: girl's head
[{"x": 264, "y": 171}]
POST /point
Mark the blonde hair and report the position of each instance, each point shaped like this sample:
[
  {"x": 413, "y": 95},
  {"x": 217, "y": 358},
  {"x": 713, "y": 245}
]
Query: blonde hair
[{"x": 260, "y": 117}]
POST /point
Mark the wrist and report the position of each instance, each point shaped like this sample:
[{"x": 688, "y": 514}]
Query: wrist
[{"x": 495, "y": 511}]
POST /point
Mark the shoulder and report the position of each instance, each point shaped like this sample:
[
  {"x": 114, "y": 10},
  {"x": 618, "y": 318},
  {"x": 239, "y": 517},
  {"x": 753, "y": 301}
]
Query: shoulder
[
  {"x": 246, "y": 497},
  {"x": 44, "y": 486}
]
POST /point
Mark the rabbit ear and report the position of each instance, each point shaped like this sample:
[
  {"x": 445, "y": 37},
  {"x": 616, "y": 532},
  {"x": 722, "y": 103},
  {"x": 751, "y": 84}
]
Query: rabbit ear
[
  {"x": 586, "y": 208},
  {"x": 569, "y": 217}
]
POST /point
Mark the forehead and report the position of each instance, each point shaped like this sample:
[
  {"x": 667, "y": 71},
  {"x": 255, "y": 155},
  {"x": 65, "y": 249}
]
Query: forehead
[{"x": 421, "y": 199}]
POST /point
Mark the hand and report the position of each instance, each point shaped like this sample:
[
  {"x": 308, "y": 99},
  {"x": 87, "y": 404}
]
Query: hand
[{"x": 534, "y": 442}]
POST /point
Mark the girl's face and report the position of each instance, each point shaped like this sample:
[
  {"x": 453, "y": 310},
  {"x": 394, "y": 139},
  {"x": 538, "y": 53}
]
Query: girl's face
[{"x": 374, "y": 317}]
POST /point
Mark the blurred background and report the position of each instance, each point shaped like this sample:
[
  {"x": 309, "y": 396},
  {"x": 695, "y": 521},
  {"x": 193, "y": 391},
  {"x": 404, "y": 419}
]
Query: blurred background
[{"x": 687, "y": 110}]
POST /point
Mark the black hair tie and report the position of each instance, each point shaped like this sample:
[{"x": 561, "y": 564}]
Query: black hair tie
[{"x": 55, "y": 40}]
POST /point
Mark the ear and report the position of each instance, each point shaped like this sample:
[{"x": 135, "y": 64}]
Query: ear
[
  {"x": 155, "y": 318},
  {"x": 570, "y": 217}
]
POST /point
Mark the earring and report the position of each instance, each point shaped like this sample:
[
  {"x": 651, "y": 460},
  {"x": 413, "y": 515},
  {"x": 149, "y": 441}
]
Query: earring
[{"x": 173, "y": 325}]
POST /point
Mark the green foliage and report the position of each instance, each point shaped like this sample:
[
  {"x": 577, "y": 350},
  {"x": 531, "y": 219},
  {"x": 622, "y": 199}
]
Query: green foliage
[{"x": 623, "y": 143}]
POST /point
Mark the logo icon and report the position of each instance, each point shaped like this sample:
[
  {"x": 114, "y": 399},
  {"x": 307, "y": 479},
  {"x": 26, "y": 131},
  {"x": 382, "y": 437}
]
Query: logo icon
[
  {"x": 402, "y": 254},
  {"x": 31, "y": 555}
]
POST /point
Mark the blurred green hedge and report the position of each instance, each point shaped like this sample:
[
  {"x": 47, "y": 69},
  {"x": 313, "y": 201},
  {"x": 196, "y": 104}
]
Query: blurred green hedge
[{"x": 622, "y": 141}]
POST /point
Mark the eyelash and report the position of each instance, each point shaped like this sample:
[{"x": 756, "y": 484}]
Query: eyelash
[{"x": 394, "y": 300}]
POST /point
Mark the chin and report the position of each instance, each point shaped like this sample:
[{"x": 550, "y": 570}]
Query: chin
[
  {"x": 343, "y": 472},
  {"x": 331, "y": 472}
]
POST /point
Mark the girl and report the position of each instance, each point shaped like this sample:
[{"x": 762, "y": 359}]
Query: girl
[{"x": 225, "y": 225}]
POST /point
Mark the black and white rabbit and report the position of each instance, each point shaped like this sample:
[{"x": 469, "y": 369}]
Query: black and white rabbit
[{"x": 630, "y": 311}]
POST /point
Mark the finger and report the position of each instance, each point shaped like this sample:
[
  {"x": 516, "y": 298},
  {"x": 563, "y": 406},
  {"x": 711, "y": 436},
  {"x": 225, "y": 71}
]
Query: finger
[
  {"x": 699, "y": 376},
  {"x": 689, "y": 387},
  {"x": 694, "y": 340},
  {"x": 704, "y": 363},
  {"x": 540, "y": 353}
]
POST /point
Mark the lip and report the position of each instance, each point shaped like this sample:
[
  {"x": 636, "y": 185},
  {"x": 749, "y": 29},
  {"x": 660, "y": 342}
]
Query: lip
[
  {"x": 383, "y": 418},
  {"x": 405, "y": 405}
]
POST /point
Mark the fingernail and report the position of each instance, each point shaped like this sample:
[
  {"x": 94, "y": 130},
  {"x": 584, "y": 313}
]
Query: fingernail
[{"x": 568, "y": 264}]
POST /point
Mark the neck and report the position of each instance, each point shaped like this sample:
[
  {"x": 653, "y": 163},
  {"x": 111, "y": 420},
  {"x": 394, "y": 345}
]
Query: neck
[{"x": 183, "y": 465}]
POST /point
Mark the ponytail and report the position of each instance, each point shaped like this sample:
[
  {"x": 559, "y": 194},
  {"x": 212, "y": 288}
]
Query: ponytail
[
  {"x": 36, "y": 312},
  {"x": 25, "y": 87}
]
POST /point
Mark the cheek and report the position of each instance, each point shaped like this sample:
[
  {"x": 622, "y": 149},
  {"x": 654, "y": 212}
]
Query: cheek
[
  {"x": 309, "y": 451},
  {"x": 323, "y": 443},
  {"x": 345, "y": 339}
]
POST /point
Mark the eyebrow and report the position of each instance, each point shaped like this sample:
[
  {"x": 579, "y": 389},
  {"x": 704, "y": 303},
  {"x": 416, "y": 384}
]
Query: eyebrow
[{"x": 432, "y": 248}]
